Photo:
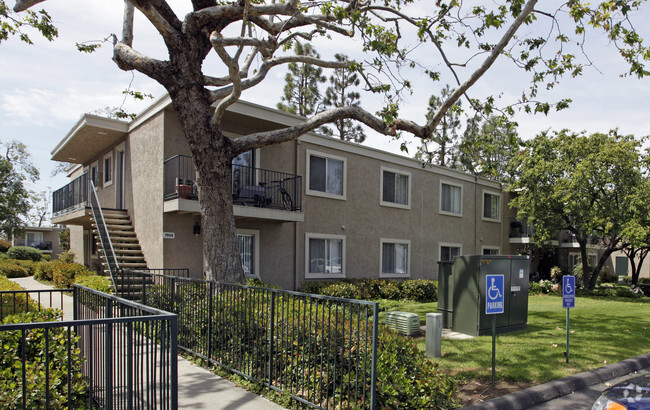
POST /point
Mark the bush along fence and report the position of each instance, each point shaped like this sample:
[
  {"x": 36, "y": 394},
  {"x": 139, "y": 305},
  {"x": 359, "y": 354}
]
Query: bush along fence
[
  {"x": 320, "y": 350},
  {"x": 115, "y": 354}
]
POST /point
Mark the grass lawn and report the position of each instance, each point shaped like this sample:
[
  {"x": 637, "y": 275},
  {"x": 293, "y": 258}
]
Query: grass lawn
[{"x": 604, "y": 330}]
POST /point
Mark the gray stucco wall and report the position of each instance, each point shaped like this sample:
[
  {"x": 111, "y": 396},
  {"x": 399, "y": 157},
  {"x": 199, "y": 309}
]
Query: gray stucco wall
[{"x": 146, "y": 158}]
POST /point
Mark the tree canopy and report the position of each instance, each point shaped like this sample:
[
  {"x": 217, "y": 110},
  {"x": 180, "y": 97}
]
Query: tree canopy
[
  {"x": 16, "y": 169},
  {"x": 590, "y": 185},
  {"x": 251, "y": 37}
]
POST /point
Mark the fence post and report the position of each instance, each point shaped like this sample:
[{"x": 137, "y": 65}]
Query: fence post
[
  {"x": 271, "y": 337},
  {"x": 173, "y": 295},
  {"x": 109, "y": 355},
  {"x": 144, "y": 298},
  {"x": 375, "y": 342},
  {"x": 174, "y": 361},
  {"x": 210, "y": 314}
]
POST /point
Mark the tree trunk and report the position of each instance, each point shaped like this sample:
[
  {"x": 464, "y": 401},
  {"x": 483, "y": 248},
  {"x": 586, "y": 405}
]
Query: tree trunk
[
  {"x": 212, "y": 158},
  {"x": 221, "y": 254},
  {"x": 599, "y": 267},
  {"x": 586, "y": 279}
]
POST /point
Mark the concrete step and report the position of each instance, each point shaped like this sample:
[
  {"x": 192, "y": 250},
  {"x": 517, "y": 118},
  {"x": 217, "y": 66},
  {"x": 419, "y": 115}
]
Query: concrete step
[{"x": 117, "y": 221}]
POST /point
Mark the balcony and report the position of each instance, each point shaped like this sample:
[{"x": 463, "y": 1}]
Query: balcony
[
  {"x": 520, "y": 231},
  {"x": 257, "y": 193},
  {"x": 69, "y": 203}
]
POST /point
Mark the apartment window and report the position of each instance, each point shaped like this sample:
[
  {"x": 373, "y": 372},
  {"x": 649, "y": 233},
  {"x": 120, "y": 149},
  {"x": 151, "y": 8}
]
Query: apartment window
[
  {"x": 488, "y": 250},
  {"x": 94, "y": 173},
  {"x": 33, "y": 239},
  {"x": 491, "y": 206},
  {"x": 449, "y": 251},
  {"x": 395, "y": 188},
  {"x": 451, "y": 199},
  {"x": 574, "y": 259},
  {"x": 326, "y": 175},
  {"x": 593, "y": 260},
  {"x": 248, "y": 243},
  {"x": 108, "y": 169},
  {"x": 325, "y": 256},
  {"x": 243, "y": 170},
  {"x": 394, "y": 257}
]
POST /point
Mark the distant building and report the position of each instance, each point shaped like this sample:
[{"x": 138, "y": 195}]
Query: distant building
[{"x": 46, "y": 239}]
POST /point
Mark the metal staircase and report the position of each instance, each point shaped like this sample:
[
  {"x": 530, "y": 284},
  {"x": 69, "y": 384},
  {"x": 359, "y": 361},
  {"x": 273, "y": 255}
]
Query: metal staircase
[{"x": 119, "y": 247}]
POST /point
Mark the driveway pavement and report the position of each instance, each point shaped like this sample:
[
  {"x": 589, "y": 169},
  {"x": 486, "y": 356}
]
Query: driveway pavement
[{"x": 572, "y": 392}]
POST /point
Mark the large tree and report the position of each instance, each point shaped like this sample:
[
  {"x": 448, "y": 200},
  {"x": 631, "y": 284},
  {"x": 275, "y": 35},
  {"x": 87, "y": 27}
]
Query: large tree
[
  {"x": 16, "y": 169},
  {"x": 342, "y": 92},
  {"x": 487, "y": 147},
  {"x": 445, "y": 136},
  {"x": 301, "y": 93},
  {"x": 589, "y": 185},
  {"x": 251, "y": 37}
]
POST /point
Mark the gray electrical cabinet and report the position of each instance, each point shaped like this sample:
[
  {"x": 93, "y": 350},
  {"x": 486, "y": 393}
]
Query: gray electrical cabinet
[{"x": 462, "y": 293}]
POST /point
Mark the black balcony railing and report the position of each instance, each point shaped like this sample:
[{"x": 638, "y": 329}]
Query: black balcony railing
[
  {"x": 71, "y": 197},
  {"x": 114, "y": 354},
  {"x": 520, "y": 228},
  {"x": 320, "y": 350},
  {"x": 250, "y": 186}
]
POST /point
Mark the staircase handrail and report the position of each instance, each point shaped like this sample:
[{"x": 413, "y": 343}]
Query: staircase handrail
[{"x": 109, "y": 252}]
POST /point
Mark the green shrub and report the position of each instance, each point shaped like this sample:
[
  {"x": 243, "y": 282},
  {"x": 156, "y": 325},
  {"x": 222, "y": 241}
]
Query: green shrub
[
  {"x": 11, "y": 376},
  {"x": 64, "y": 274},
  {"x": 44, "y": 271},
  {"x": 4, "y": 245},
  {"x": 419, "y": 290},
  {"x": 31, "y": 266},
  {"x": 256, "y": 283},
  {"x": 11, "y": 269},
  {"x": 14, "y": 303},
  {"x": 543, "y": 286},
  {"x": 46, "y": 257},
  {"x": 644, "y": 285},
  {"x": 25, "y": 253},
  {"x": 67, "y": 257},
  {"x": 407, "y": 379},
  {"x": 100, "y": 283}
]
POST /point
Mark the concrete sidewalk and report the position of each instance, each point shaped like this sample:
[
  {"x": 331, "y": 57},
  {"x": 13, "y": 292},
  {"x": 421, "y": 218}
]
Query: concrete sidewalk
[{"x": 198, "y": 388}]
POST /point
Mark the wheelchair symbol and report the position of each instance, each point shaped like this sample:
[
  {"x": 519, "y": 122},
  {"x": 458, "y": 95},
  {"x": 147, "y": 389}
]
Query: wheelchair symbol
[
  {"x": 568, "y": 289},
  {"x": 494, "y": 290}
]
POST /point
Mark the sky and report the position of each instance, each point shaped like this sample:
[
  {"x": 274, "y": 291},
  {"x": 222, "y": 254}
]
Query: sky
[{"x": 46, "y": 87}]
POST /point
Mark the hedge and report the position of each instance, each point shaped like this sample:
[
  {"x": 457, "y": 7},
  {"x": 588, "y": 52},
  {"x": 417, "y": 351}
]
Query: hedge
[
  {"x": 11, "y": 304},
  {"x": 100, "y": 283},
  {"x": 418, "y": 290},
  {"x": 4, "y": 245},
  {"x": 25, "y": 253}
]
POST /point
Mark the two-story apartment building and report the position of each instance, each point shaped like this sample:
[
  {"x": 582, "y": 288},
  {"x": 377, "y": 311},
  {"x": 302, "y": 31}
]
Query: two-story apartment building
[{"x": 312, "y": 208}]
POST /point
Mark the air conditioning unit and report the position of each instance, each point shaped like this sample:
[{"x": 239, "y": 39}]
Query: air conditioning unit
[{"x": 404, "y": 322}]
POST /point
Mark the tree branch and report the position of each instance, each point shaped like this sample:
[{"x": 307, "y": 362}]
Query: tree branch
[
  {"x": 162, "y": 17},
  {"x": 128, "y": 59},
  {"x": 127, "y": 24},
  {"x": 22, "y": 5},
  {"x": 437, "y": 117},
  {"x": 260, "y": 139},
  {"x": 267, "y": 65}
]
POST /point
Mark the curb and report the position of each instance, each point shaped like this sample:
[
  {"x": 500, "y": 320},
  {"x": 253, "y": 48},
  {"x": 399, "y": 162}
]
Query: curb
[{"x": 535, "y": 395}]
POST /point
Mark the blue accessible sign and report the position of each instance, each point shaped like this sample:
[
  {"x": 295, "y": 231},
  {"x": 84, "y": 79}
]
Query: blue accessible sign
[
  {"x": 568, "y": 291},
  {"x": 494, "y": 298}
]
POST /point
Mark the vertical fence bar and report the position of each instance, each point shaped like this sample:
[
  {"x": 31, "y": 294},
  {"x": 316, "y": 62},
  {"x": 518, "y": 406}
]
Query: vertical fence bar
[
  {"x": 271, "y": 337},
  {"x": 109, "y": 355}
]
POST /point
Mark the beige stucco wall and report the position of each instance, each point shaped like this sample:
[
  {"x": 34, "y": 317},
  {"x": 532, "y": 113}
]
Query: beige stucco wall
[
  {"x": 77, "y": 244},
  {"x": 146, "y": 154},
  {"x": 363, "y": 220}
]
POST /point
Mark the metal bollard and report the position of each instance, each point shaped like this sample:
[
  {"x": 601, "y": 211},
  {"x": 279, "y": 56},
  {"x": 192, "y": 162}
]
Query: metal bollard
[{"x": 434, "y": 334}]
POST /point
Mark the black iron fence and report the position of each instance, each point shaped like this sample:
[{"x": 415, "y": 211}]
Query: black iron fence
[
  {"x": 250, "y": 186},
  {"x": 320, "y": 350},
  {"x": 520, "y": 228},
  {"x": 71, "y": 197},
  {"x": 115, "y": 354}
]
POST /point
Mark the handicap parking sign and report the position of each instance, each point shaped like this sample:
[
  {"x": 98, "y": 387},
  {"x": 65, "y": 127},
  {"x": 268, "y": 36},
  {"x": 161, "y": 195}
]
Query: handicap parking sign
[
  {"x": 568, "y": 291},
  {"x": 494, "y": 294}
]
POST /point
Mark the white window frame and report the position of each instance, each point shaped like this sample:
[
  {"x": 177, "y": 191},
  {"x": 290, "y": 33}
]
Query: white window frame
[
  {"x": 309, "y": 191},
  {"x": 381, "y": 190},
  {"x": 256, "y": 251},
  {"x": 108, "y": 183},
  {"x": 498, "y": 195},
  {"x": 449, "y": 245},
  {"x": 578, "y": 260},
  {"x": 34, "y": 233},
  {"x": 443, "y": 212},
  {"x": 492, "y": 248},
  {"x": 95, "y": 165},
  {"x": 317, "y": 275},
  {"x": 382, "y": 241}
]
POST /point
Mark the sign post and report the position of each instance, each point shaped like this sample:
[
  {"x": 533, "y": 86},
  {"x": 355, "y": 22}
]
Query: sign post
[
  {"x": 568, "y": 302},
  {"x": 494, "y": 304}
]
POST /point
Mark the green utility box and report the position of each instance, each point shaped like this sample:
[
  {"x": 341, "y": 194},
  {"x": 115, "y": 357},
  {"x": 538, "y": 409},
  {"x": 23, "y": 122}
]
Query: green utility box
[{"x": 462, "y": 293}]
